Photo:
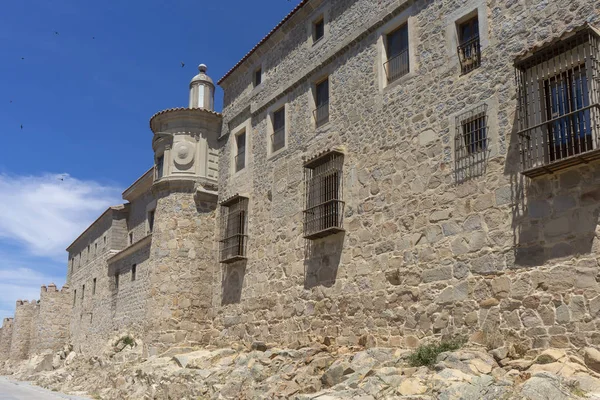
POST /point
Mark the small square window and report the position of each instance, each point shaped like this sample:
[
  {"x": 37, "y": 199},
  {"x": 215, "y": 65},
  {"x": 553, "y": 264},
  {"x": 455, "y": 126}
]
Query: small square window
[
  {"x": 240, "y": 157},
  {"x": 133, "y": 272},
  {"x": 469, "y": 49},
  {"x": 322, "y": 102},
  {"x": 278, "y": 136},
  {"x": 318, "y": 29},
  {"x": 257, "y": 77},
  {"x": 397, "y": 52}
]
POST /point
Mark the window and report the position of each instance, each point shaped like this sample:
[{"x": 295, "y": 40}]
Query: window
[
  {"x": 240, "y": 157},
  {"x": 82, "y": 292},
  {"x": 151, "y": 221},
  {"x": 130, "y": 238},
  {"x": 469, "y": 49},
  {"x": 160, "y": 160},
  {"x": 257, "y": 77},
  {"x": 234, "y": 220},
  {"x": 278, "y": 136},
  {"x": 133, "y": 272},
  {"x": 323, "y": 205},
  {"x": 89, "y": 253},
  {"x": 396, "y": 47},
  {"x": 74, "y": 297},
  {"x": 318, "y": 30},
  {"x": 104, "y": 240},
  {"x": 471, "y": 143},
  {"x": 559, "y": 106},
  {"x": 95, "y": 248},
  {"x": 322, "y": 102},
  {"x": 117, "y": 281},
  {"x": 94, "y": 287}
]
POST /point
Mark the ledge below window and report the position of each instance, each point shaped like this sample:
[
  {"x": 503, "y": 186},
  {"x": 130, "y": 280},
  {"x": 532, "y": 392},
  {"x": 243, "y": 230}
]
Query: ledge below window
[
  {"x": 563, "y": 163},
  {"x": 131, "y": 249},
  {"x": 325, "y": 232}
]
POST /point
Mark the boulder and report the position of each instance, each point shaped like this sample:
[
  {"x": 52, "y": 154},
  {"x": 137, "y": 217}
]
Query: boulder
[
  {"x": 258, "y": 346},
  {"x": 592, "y": 358},
  {"x": 411, "y": 387},
  {"x": 70, "y": 358},
  {"x": 544, "y": 386}
]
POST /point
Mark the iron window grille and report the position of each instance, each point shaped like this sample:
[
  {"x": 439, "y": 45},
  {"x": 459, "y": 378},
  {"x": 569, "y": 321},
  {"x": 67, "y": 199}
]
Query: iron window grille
[
  {"x": 240, "y": 158},
  {"x": 398, "y": 63},
  {"x": 323, "y": 204},
  {"x": 469, "y": 49},
  {"x": 234, "y": 237},
  {"x": 321, "y": 113},
  {"x": 278, "y": 136},
  {"x": 471, "y": 143},
  {"x": 558, "y": 93}
]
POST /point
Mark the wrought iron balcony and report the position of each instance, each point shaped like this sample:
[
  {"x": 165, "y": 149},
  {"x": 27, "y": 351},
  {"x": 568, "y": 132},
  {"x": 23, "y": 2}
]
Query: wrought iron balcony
[
  {"x": 234, "y": 238},
  {"x": 559, "y": 104},
  {"x": 469, "y": 55},
  {"x": 397, "y": 66},
  {"x": 321, "y": 114}
]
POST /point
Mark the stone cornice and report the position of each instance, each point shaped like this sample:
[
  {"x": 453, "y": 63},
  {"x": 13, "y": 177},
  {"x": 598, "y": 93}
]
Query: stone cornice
[
  {"x": 130, "y": 249},
  {"x": 184, "y": 113}
]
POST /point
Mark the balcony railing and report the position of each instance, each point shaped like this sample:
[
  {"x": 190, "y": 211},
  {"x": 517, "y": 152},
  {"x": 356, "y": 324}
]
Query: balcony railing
[
  {"x": 397, "y": 66},
  {"x": 233, "y": 248},
  {"x": 234, "y": 214},
  {"x": 469, "y": 55},
  {"x": 559, "y": 104},
  {"x": 278, "y": 139},
  {"x": 322, "y": 114}
]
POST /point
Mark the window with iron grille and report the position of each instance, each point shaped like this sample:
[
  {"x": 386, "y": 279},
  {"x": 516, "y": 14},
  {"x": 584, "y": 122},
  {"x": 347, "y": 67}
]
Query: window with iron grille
[
  {"x": 278, "y": 136},
  {"x": 323, "y": 204},
  {"x": 234, "y": 237},
  {"x": 471, "y": 143},
  {"x": 322, "y": 102},
  {"x": 559, "y": 104},
  {"x": 469, "y": 49},
  {"x": 397, "y": 64},
  {"x": 240, "y": 144}
]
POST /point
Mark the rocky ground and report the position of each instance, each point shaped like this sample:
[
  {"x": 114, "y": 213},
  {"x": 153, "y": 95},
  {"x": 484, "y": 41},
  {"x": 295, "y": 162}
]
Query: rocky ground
[{"x": 320, "y": 371}]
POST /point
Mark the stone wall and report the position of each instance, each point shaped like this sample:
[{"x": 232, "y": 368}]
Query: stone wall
[
  {"x": 50, "y": 328},
  {"x": 183, "y": 263},
  {"x": 21, "y": 332},
  {"x": 6, "y": 338},
  {"x": 422, "y": 254}
]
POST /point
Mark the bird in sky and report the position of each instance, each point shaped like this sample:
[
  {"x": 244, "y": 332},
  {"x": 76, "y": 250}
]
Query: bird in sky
[
  {"x": 182, "y": 64},
  {"x": 21, "y": 126},
  {"x": 22, "y": 58},
  {"x": 55, "y": 32}
]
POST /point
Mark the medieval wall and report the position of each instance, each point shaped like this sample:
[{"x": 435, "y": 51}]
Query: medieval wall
[
  {"x": 6, "y": 338},
  {"x": 183, "y": 262},
  {"x": 21, "y": 332},
  {"x": 422, "y": 254},
  {"x": 50, "y": 327}
]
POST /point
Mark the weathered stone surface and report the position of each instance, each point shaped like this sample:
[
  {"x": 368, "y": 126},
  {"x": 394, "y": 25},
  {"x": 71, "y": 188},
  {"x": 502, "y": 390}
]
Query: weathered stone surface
[{"x": 592, "y": 358}]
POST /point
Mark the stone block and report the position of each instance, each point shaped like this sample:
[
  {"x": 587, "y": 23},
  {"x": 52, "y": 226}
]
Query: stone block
[{"x": 436, "y": 274}]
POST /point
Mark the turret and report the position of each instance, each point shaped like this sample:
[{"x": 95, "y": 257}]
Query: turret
[{"x": 185, "y": 140}]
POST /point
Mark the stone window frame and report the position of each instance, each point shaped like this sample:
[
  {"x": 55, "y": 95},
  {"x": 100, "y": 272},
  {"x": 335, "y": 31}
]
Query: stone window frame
[
  {"x": 312, "y": 99},
  {"x": 263, "y": 77},
  {"x": 405, "y": 17},
  {"x": 492, "y": 132},
  {"x": 452, "y": 22},
  {"x": 322, "y": 13},
  {"x": 244, "y": 127},
  {"x": 283, "y": 102},
  {"x": 150, "y": 207}
]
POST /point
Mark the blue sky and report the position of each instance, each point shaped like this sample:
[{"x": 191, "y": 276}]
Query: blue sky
[{"x": 83, "y": 78}]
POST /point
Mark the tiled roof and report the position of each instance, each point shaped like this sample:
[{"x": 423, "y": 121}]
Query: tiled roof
[
  {"x": 283, "y": 21},
  {"x": 524, "y": 55}
]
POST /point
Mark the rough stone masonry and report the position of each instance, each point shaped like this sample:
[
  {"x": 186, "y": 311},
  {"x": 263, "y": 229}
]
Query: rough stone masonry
[{"x": 446, "y": 220}]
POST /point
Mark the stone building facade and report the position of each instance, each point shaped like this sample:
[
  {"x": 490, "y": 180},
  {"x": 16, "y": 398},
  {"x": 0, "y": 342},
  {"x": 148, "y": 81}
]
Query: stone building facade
[{"x": 377, "y": 173}]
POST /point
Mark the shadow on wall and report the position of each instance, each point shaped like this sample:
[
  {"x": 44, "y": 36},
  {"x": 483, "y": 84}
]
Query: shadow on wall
[
  {"x": 555, "y": 215},
  {"x": 321, "y": 260},
  {"x": 233, "y": 282}
]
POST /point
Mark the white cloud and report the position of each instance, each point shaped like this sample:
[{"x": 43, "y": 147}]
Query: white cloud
[{"x": 44, "y": 214}]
